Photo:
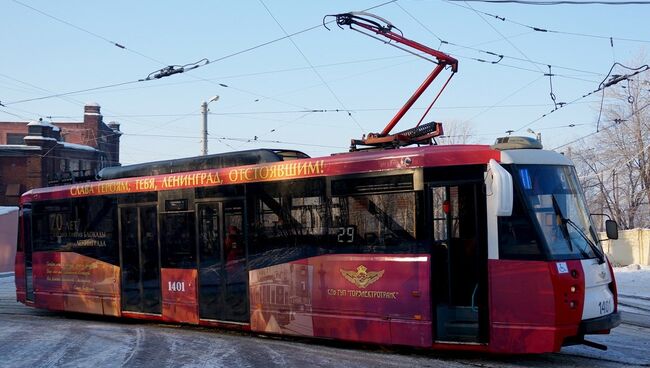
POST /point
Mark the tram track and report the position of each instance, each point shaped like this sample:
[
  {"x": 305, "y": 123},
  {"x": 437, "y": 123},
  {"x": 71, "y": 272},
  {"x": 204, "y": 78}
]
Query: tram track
[
  {"x": 634, "y": 297},
  {"x": 636, "y": 310},
  {"x": 635, "y": 306},
  {"x": 635, "y": 302}
]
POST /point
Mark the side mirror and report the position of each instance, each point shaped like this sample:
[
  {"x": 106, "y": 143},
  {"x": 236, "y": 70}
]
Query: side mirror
[
  {"x": 500, "y": 186},
  {"x": 611, "y": 228}
]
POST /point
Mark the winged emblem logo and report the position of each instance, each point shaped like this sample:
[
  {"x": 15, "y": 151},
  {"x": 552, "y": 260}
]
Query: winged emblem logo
[
  {"x": 362, "y": 277},
  {"x": 603, "y": 275}
]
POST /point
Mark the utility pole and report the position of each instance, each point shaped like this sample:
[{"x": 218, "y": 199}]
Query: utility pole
[{"x": 204, "y": 132}]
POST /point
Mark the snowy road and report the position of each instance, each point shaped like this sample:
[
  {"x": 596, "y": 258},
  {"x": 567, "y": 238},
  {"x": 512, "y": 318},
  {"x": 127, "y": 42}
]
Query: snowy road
[{"x": 35, "y": 338}]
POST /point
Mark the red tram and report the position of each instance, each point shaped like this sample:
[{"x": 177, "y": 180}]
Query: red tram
[
  {"x": 456, "y": 247},
  {"x": 465, "y": 247}
]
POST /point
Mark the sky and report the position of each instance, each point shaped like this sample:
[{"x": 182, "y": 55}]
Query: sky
[{"x": 268, "y": 90}]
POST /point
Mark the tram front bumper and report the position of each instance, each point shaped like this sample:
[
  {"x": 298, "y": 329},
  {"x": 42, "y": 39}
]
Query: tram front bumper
[{"x": 600, "y": 324}]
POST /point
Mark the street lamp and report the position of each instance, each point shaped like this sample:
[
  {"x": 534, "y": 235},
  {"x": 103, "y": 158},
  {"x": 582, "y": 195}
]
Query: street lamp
[
  {"x": 204, "y": 133},
  {"x": 537, "y": 135}
]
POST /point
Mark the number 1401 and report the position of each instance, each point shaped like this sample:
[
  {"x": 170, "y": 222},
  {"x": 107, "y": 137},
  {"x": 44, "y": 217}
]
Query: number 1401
[{"x": 176, "y": 286}]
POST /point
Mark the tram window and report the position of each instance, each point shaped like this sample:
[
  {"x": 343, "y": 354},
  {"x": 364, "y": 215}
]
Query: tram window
[
  {"x": 289, "y": 220},
  {"x": 372, "y": 184},
  {"x": 50, "y": 222},
  {"x": 25, "y": 236},
  {"x": 517, "y": 236},
  {"x": 138, "y": 198},
  {"x": 221, "y": 191},
  {"x": 381, "y": 222},
  {"x": 177, "y": 240},
  {"x": 98, "y": 227},
  {"x": 86, "y": 226},
  {"x": 440, "y": 210}
]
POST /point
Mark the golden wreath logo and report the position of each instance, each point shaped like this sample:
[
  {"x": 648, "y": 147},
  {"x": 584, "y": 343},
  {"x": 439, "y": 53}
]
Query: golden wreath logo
[{"x": 362, "y": 278}]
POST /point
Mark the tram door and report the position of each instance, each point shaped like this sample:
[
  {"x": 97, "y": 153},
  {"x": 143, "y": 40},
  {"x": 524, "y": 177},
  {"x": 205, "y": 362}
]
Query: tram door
[
  {"x": 26, "y": 238},
  {"x": 222, "y": 262},
  {"x": 459, "y": 276},
  {"x": 140, "y": 259}
]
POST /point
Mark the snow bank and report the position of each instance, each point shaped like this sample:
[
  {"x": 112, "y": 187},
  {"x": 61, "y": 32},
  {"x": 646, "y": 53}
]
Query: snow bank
[
  {"x": 633, "y": 280},
  {"x": 6, "y": 210}
]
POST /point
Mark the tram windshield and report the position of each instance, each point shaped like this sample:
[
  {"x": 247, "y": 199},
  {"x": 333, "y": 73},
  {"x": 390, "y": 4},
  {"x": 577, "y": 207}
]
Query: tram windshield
[{"x": 553, "y": 196}]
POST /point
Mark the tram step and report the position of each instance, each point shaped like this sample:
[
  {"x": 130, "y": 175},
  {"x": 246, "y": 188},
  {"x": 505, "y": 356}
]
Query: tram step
[{"x": 462, "y": 330}]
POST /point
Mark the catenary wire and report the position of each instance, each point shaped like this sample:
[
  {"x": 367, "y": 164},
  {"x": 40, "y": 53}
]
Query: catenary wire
[
  {"x": 306, "y": 59},
  {"x": 621, "y": 121},
  {"x": 547, "y": 29},
  {"x": 557, "y": 2},
  {"x": 116, "y": 44}
]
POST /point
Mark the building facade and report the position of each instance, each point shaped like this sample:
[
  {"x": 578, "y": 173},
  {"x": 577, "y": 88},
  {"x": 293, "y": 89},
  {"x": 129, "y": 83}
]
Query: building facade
[{"x": 40, "y": 153}]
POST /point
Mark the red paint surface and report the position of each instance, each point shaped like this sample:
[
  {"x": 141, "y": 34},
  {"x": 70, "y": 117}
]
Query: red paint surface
[
  {"x": 19, "y": 277},
  {"x": 71, "y": 282},
  {"x": 347, "y": 163},
  {"x": 394, "y": 309},
  {"x": 143, "y": 316},
  {"x": 179, "y": 295},
  {"x": 222, "y": 324},
  {"x": 530, "y": 305}
]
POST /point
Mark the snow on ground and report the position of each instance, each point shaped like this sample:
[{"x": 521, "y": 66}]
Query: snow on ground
[
  {"x": 6, "y": 210},
  {"x": 633, "y": 283},
  {"x": 633, "y": 280}
]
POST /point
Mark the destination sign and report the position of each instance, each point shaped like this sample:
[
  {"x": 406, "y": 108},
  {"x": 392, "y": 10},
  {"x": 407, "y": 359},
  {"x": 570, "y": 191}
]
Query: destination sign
[{"x": 276, "y": 171}]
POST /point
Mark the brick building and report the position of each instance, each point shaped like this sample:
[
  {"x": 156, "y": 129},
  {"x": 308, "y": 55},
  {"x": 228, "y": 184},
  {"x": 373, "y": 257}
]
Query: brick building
[{"x": 35, "y": 154}]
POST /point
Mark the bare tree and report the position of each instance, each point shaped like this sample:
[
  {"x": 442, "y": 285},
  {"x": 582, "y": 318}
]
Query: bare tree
[
  {"x": 614, "y": 165},
  {"x": 457, "y": 132}
]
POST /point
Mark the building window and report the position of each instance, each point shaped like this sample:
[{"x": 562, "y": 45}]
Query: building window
[
  {"x": 16, "y": 138},
  {"x": 13, "y": 190},
  {"x": 75, "y": 166}
]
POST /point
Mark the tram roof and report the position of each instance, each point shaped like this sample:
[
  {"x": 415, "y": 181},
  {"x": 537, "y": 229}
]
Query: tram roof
[
  {"x": 215, "y": 161},
  {"x": 260, "y": 166}
]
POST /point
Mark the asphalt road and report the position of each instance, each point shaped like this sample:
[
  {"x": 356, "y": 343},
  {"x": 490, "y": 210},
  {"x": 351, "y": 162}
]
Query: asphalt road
[{"x": 34, "y": 338}]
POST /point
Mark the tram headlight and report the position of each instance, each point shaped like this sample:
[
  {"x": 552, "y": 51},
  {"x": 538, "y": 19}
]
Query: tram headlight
[{"x": 573, "y": 289}]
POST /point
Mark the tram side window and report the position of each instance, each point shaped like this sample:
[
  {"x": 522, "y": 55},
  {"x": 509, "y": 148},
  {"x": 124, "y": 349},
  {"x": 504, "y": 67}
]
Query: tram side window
[
  {"x": 48, "y": 223},
  {"x": 25, "y": 232},
  {"x": 177, "y": 240},
  {"x": 517, "y": 235},
  {"x": 289, "y": 220},
  {"x": 98, "y": 237},
  {"x": 375, "y": 223},
  {"x": 86, "y": 226}
]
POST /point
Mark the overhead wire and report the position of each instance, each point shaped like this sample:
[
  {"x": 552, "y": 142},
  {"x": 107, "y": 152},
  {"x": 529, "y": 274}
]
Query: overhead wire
[
  {"x": 328, "y": 110},
  {"x": 166, "y": 71},
  {"x": 616, "y": 122},
  {"x": 558, "y": 2},
  {"x": 71, "y": 100},
  {"x": 255, "y": 138},
  {"x": 546, "y": 29},
  {"x": 504, "y": 37},
  {"x": 114, "y": 43},
  {"x": 73, "y": 92},
  {"x": 306, "y": 59},
  {"x": 505, "y": 98},
  {"x": 114, "y": 85},
  {"x": 313, "y": 67},
  {"x": 208, "y": 61},
  {"x": 497, "y": 55},
  {"x": 239, "y": 139},
  {"x": 500, "y": 56},
  {"x": 12, "y": 114},
  {"x": 614, "y": 80}
]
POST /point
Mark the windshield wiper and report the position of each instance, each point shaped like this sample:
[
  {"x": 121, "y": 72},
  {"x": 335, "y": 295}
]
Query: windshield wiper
[
  {"x": 600, "y": 255},
  {"x": 563, "y": 222}
]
